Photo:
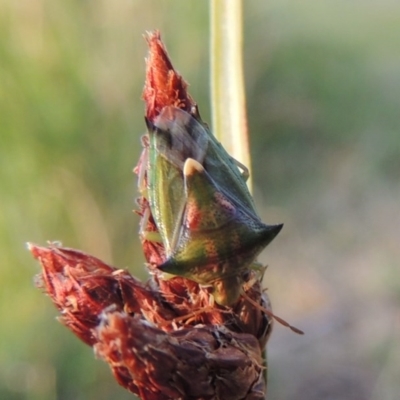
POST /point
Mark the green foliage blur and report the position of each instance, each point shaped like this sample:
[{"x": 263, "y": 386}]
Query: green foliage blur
[{"x": 323, "y": 90}]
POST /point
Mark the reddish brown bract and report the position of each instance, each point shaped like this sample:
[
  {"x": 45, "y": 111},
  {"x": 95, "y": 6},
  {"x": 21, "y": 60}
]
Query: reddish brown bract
[{"x": 164, "y": 86}]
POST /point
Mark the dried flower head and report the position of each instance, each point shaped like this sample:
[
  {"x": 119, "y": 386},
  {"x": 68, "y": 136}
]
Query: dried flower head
[{"x": 166, "y": 338}]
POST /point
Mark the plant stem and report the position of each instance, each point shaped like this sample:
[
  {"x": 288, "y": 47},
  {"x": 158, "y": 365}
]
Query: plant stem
[{"x": 227, "y": 84}]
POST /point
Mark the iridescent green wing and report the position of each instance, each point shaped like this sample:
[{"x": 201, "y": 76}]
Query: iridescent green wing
[{"x": 171, "y": 141}]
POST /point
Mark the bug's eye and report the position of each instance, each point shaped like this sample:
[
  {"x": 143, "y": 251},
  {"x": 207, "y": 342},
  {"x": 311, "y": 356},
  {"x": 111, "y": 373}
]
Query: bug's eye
[{"x": 245, "y": 275}]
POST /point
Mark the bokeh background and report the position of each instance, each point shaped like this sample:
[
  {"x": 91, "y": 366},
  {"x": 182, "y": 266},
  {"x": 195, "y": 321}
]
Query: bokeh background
[{"x": 323, "y": 93}]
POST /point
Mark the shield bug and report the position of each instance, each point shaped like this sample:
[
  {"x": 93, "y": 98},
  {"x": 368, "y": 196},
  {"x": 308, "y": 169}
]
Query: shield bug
[{"x": 200, "y": 203}]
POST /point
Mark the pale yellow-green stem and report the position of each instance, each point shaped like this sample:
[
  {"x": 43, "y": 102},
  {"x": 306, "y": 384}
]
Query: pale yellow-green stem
[{"x": 228, "y": 103}]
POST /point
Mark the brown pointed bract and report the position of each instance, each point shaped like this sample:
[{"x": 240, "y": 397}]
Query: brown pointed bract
[{"x": 163, "y": 86}]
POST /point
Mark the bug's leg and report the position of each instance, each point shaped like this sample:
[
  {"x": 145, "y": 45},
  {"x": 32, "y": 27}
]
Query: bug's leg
[
  {"x": 151, "y": 236},
  {"x": 140, "y": 170},
  {"x": 254, "y": 274},
  {"x": 243, "y": 169},
  {"x": 250, "y": 283},
  {"x": 259, "y": 268}
]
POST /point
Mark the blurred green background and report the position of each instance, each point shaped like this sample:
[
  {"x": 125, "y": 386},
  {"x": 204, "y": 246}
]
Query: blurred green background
[{"x": 323, "y": 93}]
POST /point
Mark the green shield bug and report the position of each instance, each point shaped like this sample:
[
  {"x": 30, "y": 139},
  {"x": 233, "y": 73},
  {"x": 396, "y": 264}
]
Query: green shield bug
[{"x": 200, "y": 203}]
